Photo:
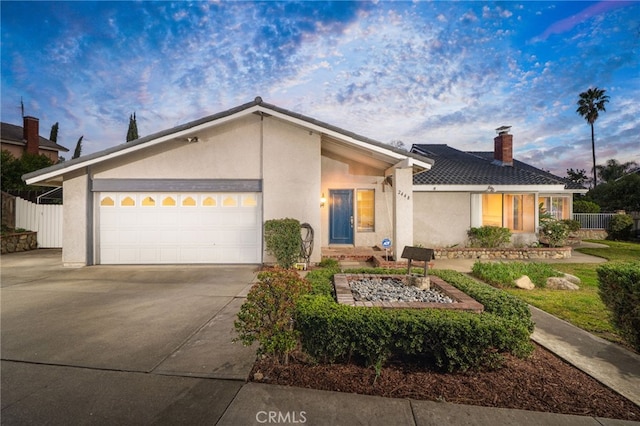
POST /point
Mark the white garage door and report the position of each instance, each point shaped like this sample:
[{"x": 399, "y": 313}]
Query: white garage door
[{"x": 152, "y": 228}]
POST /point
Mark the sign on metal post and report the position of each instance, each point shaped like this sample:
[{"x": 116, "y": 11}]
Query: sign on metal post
[{"x": 386, "y": 243}]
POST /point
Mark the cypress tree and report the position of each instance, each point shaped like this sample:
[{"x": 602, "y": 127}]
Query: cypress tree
[
  {"x": 53, "y": 136},
  {"x": 132, "y": 132},
  {"x": 78, "y": 150}
]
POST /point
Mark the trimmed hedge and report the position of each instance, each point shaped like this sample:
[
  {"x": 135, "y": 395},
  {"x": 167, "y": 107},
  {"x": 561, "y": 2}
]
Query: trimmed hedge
[
  {"x": 450, "y": 340},
  {"x": 619, "y": 289}
]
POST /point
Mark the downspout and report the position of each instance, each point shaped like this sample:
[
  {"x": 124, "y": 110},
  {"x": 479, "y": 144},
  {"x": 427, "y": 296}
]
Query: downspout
[
  {"x": 262, "y": 248},
  {"x": 90, "y": 219}
]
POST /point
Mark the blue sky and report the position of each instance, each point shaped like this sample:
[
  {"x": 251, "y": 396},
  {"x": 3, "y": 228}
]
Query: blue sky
[{"x": 419, "y": 72}]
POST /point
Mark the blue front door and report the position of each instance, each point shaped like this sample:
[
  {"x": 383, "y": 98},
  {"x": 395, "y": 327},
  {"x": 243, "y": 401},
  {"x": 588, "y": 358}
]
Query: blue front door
[{"x": 340, "y": 216}]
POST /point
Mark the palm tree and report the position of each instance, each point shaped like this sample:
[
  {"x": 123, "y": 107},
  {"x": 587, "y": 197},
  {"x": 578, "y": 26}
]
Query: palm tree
[{"x": 590, "y": 104}]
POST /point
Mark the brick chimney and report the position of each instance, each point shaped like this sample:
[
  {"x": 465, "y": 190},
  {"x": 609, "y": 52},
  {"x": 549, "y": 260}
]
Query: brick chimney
[
  {"x": 503, "y": 147},
  {"x": 31, "y": 134}
]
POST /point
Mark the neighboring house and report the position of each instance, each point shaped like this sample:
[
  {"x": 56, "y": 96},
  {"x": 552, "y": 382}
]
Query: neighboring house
[
  {"x": 472, "y": 189},
  {"x": 18, "y": 140},
  {"x": 200, "y": 192}
]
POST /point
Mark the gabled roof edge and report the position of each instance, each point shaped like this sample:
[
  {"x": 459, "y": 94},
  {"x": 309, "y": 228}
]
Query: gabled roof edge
[
  {"x": 139, "y": 143},
  {"x": 256, "y": 105}
]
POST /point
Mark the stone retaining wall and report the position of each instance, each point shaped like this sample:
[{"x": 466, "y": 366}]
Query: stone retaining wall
[
  {"x": 591, "y": 234},
  {"x": 503, "y": 253},
  {"x": 482, "y": 253},
  {"x": 23, "y": 241}
]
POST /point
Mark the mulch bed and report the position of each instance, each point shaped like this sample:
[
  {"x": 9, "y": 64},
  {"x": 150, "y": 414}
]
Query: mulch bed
[{"x": 543, "y": 382}]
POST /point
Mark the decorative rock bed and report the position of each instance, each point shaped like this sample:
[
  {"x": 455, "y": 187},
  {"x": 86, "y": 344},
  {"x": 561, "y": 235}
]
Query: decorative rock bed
[
  {"x": 441, "y": 295},
  {"x": 388, "y": 289}
]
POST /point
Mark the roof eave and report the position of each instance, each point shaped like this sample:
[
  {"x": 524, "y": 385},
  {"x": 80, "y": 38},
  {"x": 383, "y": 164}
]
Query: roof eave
[
  {"x": 49, "y": 174},
  {"x": 489, "y": 188},
  {"x": 133, "y": 146}
]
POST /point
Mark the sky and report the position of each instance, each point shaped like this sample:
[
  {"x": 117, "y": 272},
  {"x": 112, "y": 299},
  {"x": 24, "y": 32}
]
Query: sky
[{"x": 418, "y": 72}]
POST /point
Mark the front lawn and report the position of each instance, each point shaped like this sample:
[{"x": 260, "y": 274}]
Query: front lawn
[
  {"x": 617, "y": 250},
  {"x": 583, "y": 308}
]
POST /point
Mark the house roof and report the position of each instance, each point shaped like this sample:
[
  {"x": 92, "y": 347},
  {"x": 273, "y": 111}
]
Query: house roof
[
  {"x": 389, "y": 153},
  {"x": 455, "y": 167},
  {"x": 12, "y": 134}
]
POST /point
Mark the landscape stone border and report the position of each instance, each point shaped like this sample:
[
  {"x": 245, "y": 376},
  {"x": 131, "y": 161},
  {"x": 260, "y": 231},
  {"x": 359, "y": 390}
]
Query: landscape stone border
[{"x": 463, "y": 302}]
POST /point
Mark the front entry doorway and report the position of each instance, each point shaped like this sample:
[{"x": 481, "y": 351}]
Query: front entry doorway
[{"x": 340, "y": 216}]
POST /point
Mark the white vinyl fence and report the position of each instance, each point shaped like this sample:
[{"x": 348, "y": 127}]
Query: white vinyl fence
[
  {"x": 46, "y": 219},
  {"x": 593, "y": 220}
]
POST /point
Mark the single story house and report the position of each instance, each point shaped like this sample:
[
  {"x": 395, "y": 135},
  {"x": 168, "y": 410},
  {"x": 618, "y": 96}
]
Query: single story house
[
  {"x": 19, "y": 140},
  {"x": 201, "y": 192},
  {"x": 473, "y": 189}
]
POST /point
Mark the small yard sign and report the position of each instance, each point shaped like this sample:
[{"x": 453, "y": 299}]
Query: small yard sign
[{"x": 386, "y": 243}]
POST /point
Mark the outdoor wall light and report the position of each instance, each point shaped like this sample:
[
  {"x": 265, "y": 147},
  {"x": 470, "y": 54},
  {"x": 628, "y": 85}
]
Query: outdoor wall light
[
  {"x": 192, "y": 139},
  {"x": 323, "y": 200}
]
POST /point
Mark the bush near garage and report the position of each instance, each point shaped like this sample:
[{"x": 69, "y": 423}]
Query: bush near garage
[
  {"x": 267, "y": 314},
  {"x": 619, "y": 289},
  {"x": 282, "y": 240},
  {"x": 448, "y": 340}
]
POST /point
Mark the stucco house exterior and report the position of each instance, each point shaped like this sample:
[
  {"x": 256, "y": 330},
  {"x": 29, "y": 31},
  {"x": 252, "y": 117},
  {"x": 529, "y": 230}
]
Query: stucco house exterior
[
  {"x": 201, "y": 192},
  {"x": 473, "y": 189},
  {"x": 19, "y": 140}
]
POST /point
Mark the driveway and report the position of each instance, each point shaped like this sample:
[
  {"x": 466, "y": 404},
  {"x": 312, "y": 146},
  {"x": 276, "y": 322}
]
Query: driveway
[{"x": 119, "y": 328}]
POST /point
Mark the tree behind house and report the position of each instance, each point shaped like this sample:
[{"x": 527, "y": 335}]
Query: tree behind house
[
  {"x": 132, "y": 132},
  {"x": 78, "y": 151},
  {"x": 53, "y": 136},
  {"x": 578, "y": 176},
  {"x": 614, "y": 170},
  {"x": 590, "y": 104}
]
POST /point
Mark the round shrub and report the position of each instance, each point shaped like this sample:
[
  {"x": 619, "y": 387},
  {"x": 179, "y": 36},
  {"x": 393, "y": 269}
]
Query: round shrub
[
  {"x": 554, "y": 232},
  {"x": 620, "y": 227}
]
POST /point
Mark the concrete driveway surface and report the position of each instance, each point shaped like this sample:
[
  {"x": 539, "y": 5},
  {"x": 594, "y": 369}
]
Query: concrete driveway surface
[{"x": 101, "y": 344}]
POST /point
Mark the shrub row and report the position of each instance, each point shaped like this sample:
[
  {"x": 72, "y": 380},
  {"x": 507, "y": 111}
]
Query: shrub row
[
  {"x": 619, "y": 289},
  {"x": 488, "y": 236},
  {"x": 450, "y": 340},
  {"x": 503, "y": 274}
]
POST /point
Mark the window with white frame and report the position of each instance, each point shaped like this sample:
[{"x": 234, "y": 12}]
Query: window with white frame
[
  {"x": 513, "y": 211},
  {"x": 365, "y": 199},
  {"x": 556, "y": 205}
]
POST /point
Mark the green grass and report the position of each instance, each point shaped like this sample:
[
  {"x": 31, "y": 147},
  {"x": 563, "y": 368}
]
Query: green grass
[
  {"x": 583, "y": 308},
  {"x": 503, "y": 274},
  {"x": 617, "y": 250}
]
